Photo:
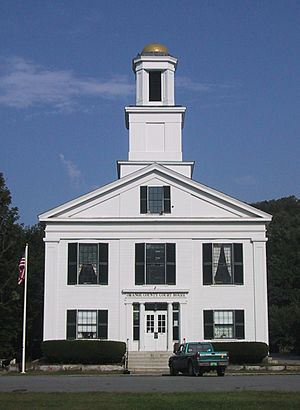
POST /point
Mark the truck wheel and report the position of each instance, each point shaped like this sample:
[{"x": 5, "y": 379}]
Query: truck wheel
[
  {"x": 173, "y": 371},
  {"x": 221, "y": 372},
  {"x": 191, "y": 370}
]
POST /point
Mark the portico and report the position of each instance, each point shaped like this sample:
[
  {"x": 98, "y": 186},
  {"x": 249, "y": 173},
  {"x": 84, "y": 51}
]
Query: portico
[{"x": 157, "y": 318}]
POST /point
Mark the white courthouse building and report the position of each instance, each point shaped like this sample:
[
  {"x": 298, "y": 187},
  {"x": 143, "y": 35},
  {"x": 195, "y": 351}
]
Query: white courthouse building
[{"x": 155, "y": 257}]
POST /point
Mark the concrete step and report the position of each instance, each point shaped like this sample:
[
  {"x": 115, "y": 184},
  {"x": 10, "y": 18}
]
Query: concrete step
[
  {"x": 147, "y": 366},
  {"x": 148, "y": 362}
]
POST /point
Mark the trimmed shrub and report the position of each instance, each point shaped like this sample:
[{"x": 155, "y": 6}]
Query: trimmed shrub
[
  {"x": 83, "y": 351},
  {"x": 243, "y": 352}
]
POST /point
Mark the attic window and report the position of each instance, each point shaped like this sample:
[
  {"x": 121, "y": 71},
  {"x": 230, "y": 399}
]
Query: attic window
[
  {"x": 155, "y": 199},
  {"x": 154, "y": 85}
]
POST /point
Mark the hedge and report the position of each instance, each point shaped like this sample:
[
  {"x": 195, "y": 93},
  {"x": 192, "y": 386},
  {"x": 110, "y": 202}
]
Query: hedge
[
  {"x": 243, "y": 352},
  {"x": 83, "y": 351}
]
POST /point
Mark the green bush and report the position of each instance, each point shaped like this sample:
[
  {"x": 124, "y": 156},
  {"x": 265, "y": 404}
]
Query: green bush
[
  {"x": 83, "y": 351},
  {"x": 243, "y": 352}
]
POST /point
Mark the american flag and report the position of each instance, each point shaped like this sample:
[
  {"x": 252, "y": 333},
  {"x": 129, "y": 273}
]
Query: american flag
[{"x": 21, "y": 270}]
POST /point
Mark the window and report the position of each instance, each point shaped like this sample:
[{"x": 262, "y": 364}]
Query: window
[
  {"x": 224, "y": 324},
  {"x": 203, "y": 347},
  {"x": 150, "y": 324},
  {"x": 223, "y": 264},
  {"x": 88, "y": 263},
  {"x": 155, "y": 200},
  {"x": 155, "y": 264},
  {"x": 87, "y": 324},
  {"x": 136, "y": 321},
  {"x": 161, "y": 326},
  {"x": 154, "y": 85}
]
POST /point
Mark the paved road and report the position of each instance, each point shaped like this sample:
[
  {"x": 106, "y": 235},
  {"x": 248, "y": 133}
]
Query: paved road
[{"x": 135, "y": 384}]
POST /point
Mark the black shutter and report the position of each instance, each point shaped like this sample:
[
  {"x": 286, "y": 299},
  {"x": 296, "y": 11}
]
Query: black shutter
[
  {"x": 143, "y": 200},
  {"x": 238, "y": 275},
  {"x": 136, "y": 321},
  {"x": 72, "y": 263},
  {"x": 71, "y": 324},
  {"x": 167, "y": 200},
  {"x": 239, "y": 324},
  {"x": 207, "y": 264},
  {"x": 208, "y": 316},
  {"x": 103, "y": 263},
  {"x": 139, "y": 263},
  {"x": 102, "y": 324},
  {"x": 171, "y": 263}
]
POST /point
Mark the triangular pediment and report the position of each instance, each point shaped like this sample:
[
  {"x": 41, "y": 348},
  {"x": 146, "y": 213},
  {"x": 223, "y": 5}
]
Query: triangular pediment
[{"x": 121, "y": 199}]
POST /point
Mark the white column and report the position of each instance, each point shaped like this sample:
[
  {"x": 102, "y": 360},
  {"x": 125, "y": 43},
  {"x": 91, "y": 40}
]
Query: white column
[
  {"x": 183, "y": 321},
  {"x": 53, "y": 318},
  {"x": 170, "y": 327},
  {"x": 128, "y": 312},
  {"x": 142, "y": 326},
  {"x": 260, "y": 292}
]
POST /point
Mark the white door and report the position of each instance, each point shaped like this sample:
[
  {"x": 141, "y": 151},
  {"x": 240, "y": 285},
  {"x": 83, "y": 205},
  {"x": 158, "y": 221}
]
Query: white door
[{"x": 156, "y": 331}]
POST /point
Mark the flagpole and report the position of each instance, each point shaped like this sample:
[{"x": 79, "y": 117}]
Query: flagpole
[{"x": 24, "y": 311}]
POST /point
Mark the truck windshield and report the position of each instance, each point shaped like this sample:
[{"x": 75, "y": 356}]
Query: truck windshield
[{"x": 203, "y": 347}]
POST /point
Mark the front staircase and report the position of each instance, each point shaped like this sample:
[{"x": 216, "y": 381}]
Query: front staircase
[{"x": 148, "y": 362}]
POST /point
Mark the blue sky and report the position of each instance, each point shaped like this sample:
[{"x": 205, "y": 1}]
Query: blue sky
[{"x": 65, "y": 77}]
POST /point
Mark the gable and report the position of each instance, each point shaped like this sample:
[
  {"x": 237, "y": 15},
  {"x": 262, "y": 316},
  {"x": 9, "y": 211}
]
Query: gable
[{"x": 121, "y": 199}]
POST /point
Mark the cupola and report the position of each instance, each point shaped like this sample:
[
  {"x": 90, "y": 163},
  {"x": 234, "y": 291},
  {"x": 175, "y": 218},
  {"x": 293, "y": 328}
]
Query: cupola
[{"x": 154, "y": 68}]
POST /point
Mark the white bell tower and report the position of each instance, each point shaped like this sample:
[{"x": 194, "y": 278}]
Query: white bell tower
[{"x": 155, "y": 123}]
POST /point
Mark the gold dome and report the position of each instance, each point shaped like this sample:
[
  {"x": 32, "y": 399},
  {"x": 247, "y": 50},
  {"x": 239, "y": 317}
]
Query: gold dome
[{"x": 155, "y": 48}]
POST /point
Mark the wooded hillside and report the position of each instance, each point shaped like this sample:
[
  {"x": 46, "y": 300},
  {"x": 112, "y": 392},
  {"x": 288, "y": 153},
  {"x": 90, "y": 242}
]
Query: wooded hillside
[{"x": 283, "y": 255}]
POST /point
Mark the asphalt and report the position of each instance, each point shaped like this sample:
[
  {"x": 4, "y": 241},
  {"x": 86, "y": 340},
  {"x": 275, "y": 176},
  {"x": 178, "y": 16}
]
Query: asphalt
[{"x": 136, "y": 384}]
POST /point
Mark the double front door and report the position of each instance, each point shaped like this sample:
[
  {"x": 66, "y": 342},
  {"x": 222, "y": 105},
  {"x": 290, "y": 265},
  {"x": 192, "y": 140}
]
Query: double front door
[{"x": 156, "y": 330}]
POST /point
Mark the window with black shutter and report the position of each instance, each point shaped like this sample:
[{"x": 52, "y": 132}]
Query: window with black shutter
[
  {"x": 155, "y": 263},
  {"x": 155, "y": 199},
  {"x": 87, "y": 263},
  {"x": 87, "y": 324},
  {"x": 224, "y": 324},
  {"x": 223, "y": 264},
  {"x": 154, "y": 85}
]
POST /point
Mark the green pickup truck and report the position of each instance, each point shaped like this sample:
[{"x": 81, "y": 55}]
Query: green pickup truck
[{"x": 196, "y": 358}]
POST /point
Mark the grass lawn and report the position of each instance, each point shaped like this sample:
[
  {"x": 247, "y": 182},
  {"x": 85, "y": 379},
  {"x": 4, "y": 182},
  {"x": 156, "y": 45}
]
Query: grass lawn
[{"x": 240, "y": 400}]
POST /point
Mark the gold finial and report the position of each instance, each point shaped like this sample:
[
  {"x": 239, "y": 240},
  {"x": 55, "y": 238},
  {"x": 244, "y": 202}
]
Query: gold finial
[{"x": 155, "y": 48}]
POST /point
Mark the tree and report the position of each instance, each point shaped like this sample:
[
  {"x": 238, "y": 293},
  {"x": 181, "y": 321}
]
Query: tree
[
  {"x": 13, "y": 237},
  {"x": 283, "y": 255},
  {"x": 34, "y": 237},
  {"x": 11, "y": 246}
]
